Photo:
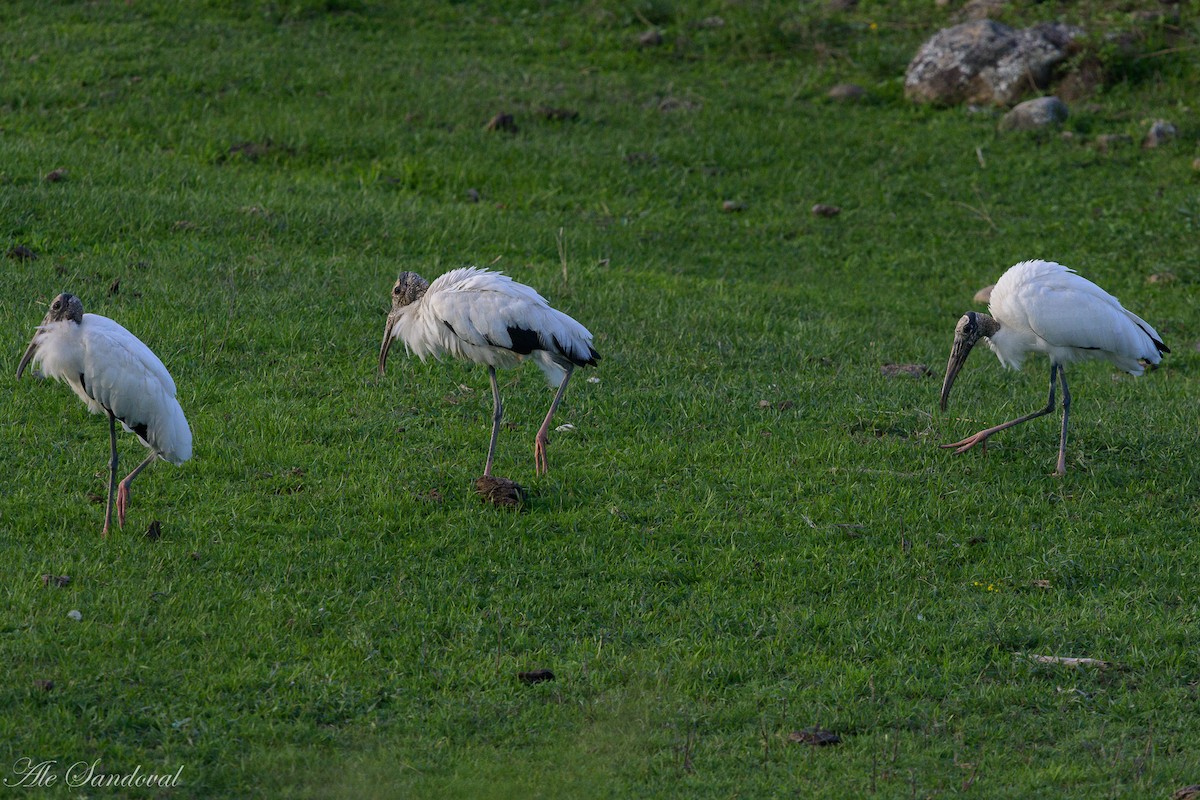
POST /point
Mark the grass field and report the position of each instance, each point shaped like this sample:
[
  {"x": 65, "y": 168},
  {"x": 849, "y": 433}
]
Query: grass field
[{"x": 751, "y": 530}]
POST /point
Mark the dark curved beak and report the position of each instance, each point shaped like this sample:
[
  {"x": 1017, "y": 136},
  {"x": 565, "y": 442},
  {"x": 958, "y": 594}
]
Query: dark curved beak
[
  {"x": 958, "y": 356},
  {"x": 387, "y": 343},
  {"x": 29, "y": 351},
  {"x": 33, "y": 346}
]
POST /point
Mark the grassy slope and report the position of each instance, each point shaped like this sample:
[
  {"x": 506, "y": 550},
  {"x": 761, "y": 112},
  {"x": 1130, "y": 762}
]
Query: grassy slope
[{"x": 704, "y": 575}]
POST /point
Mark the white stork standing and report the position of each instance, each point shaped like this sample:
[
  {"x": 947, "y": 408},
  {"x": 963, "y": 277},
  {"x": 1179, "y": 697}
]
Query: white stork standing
[
  {"x": 488, "y": 318},
  {"x": 114, "y": 373},
  {"x": 1043, "y": 307}
]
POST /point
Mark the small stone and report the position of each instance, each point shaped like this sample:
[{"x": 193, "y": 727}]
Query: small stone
[
  {"x": 815, "y": 736},
  {"x": 910, "y": 370},
  {"x": 651, "y": 38},
  {"x": 56, "y": 580},
  {"x": 566, "y": 427},
  {"x": 502, "y": 122},
  {"x": 825, "y": 210},
  {"x": 473, "y": 195},
  {"x": 1159, "y": 134},
  {"x": 55, "y": 175},
  {"x": 984, "y": 295},
  {"x": 535, "y": 676},
  {"x": 732, "y": 206},
  {"x": 593, "y": 379},
  {"x": 846, "y": 92},
  {"x": 22, "y": 253},
  {"x": 764, "y": 403},
  {"x": 1162, "y": 277},
  {"x": 1032, "y": 114},
  {"x": 75, "y": 614},
  {"x": 500, "y": 491}
]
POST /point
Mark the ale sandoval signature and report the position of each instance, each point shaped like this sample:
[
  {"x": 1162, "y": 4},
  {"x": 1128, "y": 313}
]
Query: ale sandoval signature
[{"x": 30, "y": 773}]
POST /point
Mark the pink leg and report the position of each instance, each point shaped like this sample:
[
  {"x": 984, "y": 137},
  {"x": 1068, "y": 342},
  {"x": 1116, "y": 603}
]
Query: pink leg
[
  {"x": 542, "y": 439},
  {"x": 981, "y": 438},
  {"x": 123, "y": 488},
  {"x": 112, "y": 472}
]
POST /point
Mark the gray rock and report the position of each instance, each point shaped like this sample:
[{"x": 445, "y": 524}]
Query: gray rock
[
  {"x": 1032, "y": 114},
  {"x": 986, "y": 62},
  {"x": 1160, "y": 133}
]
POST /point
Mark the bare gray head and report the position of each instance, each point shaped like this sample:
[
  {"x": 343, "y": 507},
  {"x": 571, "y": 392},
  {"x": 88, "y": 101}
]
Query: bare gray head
[
  {"x": 410, "y": 287},
  {"x": 64, "y": 308},
  {"x": 971, "y": 327}
]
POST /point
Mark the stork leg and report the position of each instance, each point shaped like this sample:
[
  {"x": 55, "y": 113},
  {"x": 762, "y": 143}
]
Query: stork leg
[
  {"x": 112, "y": 471},
  {"x": 982, "y": 437},
  {"x": 542, "y": 439},
  {"x": 497, "y": 415},
  {"x": 1062, "y": 439},
  {"x": 123, "y": 490}
]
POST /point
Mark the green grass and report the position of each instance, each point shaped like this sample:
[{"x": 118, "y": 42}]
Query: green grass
[{"x": 332, "y": 613}]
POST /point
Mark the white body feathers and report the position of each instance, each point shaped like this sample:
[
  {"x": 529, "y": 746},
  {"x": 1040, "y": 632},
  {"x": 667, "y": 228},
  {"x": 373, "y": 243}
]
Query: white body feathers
[
  {"x": 1047, "y": 308},
  {"x": 487, "y": 317},
  {"x": 111, "y": 369}
]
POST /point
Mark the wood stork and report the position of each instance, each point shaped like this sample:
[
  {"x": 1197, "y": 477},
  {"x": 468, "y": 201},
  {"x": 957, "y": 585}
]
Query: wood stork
[
  {"x": 1043, "y": 307},
  {"x": 114, "y": 373},
  {"x": 488, "y": 318}
]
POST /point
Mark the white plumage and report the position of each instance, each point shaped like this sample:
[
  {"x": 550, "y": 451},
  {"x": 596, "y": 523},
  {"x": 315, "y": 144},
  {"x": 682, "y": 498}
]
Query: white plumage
[
  {"x": 488, "y": 318},
  {"x": 1044, "y": 307},
  {"x": 115, "y": 374}
]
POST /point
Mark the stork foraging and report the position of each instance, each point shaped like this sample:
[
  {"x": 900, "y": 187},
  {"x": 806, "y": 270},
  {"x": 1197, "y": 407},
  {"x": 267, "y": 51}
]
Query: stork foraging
[
  {"x": 490, "y": 319},
  {"x": 114, "y": 373},
  {"x": 1040, "y": 306}
]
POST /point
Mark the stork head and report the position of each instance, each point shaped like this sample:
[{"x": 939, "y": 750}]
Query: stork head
[
  {"x": 410, "y": 287},
  {"x": 971, "y": 327},
  {"x": 64, "y": 308}
]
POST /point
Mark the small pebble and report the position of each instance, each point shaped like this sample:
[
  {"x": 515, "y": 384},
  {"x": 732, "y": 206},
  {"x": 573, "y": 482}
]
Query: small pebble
[
  {"x": 651, "y": 38},
  {"x": 75, "y": 614},
  {"x": 1159, "y": 134},
  {"x": 825, "y": 210}
]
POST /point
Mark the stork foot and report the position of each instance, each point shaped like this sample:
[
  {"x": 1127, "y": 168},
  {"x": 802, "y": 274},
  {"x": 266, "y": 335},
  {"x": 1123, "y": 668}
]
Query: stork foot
[
  {"x": 122, "y": 502},
  {"x": 541, "y": 464},
  {"x": 964, "y": 445}
]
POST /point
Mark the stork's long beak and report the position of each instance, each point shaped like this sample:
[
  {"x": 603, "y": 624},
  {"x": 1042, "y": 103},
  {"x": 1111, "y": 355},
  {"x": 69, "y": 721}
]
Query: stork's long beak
[
  {"x": 387, "y": 342},
  {"x": 958, "y": 356},
  {"x": 29, "y": 351}
]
